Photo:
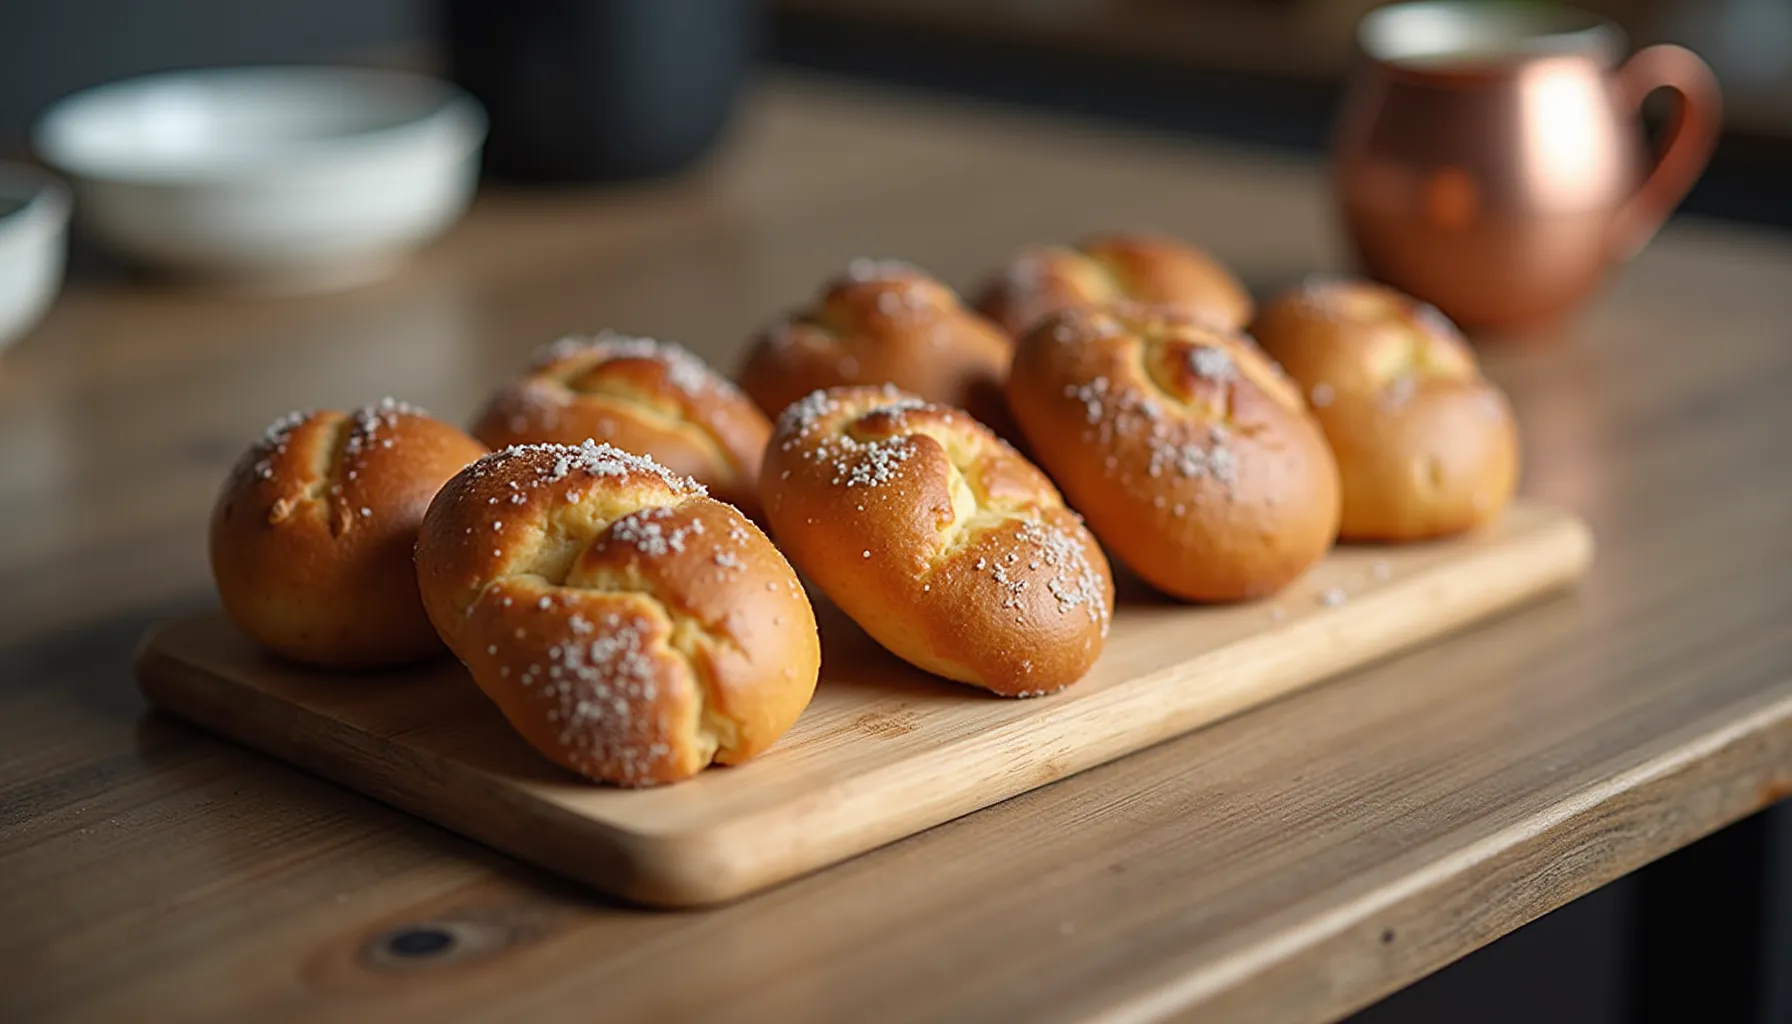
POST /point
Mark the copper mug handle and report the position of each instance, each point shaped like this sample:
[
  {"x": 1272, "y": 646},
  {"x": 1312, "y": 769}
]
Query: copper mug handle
[{"x": 1686, "y": 144}]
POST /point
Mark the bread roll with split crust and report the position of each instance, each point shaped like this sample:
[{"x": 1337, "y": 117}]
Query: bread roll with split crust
[
  {"x": 631, "y": 628},
  {"x": 1109, "y": 269},
  {"x": 937, "y": 538},
  {"x": 1191, "y": 455},
  {"x": 882, "y": 322},
  {"x": 311, "y": 536},
  {"x": 1425, "y": 445},
  {"x": 645, "y": 396}
]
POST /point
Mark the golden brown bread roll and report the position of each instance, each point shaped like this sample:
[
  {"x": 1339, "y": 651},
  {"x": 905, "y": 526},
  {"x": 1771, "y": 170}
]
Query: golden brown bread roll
[
  {"x": 1107, "y": 269},
  {"x": 1425, "y": 445},
  {"x": 644, "y": 396},
  {"x": 882, "y": 322},
  {"x": 938, "y": 539},
  {"x": 1190, "y": 454},
  {"x": 631, "y": 628},
  {"x": 311, "y": 536}
]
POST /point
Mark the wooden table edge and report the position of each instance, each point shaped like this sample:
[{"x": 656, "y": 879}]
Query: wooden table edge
[{"x": 1718, "y": 770}]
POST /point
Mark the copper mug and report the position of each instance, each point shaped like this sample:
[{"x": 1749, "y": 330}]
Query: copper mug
[{"x": 1490, "y": 158}]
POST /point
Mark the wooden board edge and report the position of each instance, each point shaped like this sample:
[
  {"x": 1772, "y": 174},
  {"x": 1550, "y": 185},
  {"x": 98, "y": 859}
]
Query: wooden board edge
[
  {"x": 719, "y": 863},
  {"x": 452, "y": 796},
  {"x": 716, "y": 864}
]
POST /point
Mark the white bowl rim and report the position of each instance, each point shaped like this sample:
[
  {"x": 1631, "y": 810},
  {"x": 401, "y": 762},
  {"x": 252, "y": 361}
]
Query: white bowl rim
[
  {"x": 42, "y": 197},
  {"x": 451, "y": 111}
]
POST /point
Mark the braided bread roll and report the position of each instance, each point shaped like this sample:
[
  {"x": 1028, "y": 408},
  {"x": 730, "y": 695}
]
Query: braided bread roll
[
  {"x": 1425, "y": 445},
  {"x": 882, "y": 322},
  {"x": 631, "y": 628},
  {"x": 311, "y": 536},
  {"x": 938, "y": 539},
  {"x": 645, "y": 396},
  {"x": 1107, "y": 269},
  {"x": 1193, "y": 458}
]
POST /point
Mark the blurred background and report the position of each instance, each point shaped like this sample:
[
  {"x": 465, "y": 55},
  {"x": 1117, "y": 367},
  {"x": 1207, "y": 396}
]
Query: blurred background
[{"x": 1263, "y": 72}]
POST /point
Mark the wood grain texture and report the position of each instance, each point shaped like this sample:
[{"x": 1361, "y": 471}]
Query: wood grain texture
[
  {"x": 883, "y": 752},
  {"x": 1293, "y": 862}
]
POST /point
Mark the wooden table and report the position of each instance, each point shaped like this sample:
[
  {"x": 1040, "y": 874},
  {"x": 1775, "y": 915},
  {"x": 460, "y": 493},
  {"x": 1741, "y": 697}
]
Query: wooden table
[{"x": 1293, "y": 863}]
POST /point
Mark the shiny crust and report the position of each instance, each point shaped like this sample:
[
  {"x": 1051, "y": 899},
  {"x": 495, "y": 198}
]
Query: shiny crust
[
  {"x": 1108, "y": 269},
  {"x": 1189, "y": 453},
  {"x": 311, "y": 535},
  {"x": 938, "y": 539},
  {"x": 882, "y": 322},
  {"x": 631, "y": 628},
  {"x": 644, "y": 396},
  {"x": 1425, "y": 445}
]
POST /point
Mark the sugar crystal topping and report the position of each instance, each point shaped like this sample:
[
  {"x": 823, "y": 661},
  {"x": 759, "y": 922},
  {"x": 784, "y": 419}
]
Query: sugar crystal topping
[
  {"x": 273, "y": 442},
  {"x": 366, "y": 426},
  {"x": 372, "y": 421},
  {"x": 277, "y": 431},
  {"x": 684, "y": 369},
  {"x": 594, "y": 687},
  {"x": 643, "y": 529},
  {"x": 1212, "y": 363},
  {"x": 555, "y": 462},
  {"x": 855, "y": 463},
  {"x": 1113, "y": 411},
  {"x": 1075, "y": 583},
  {"x": 864, "y": 268}
]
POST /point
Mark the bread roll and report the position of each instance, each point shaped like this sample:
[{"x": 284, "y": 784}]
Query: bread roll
[
  {"x": 631, "y": 628},
  {"x": 1191, "y": 455},
  {"x": 311, "y": 536},
  {"x": 1107, "y": 269},
  {"x": 644, "y": 396},
  {"x": 938, "y": 539},
  {"x": 1425, "y": 445},
  {"x": 882, "y": 322}
]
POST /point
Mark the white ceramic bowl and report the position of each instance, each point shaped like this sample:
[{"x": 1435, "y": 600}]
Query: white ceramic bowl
[
  {"x": 281, "y": 177},
  {"x": 33, "y": 246}
]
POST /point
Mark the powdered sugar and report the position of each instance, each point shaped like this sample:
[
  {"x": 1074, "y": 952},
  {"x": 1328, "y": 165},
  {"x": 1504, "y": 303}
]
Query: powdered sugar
[
  {"x": 278, "y": 431},
  {"x": 273, "y": 442},
  {"x": 684, "y": 370},
  {"x": 371, "y": 425},
  {"x": 596, "y": 692},
  {"x": 1212, "y": 363},
  {"x": 854, "y": 463},
  {"x": 863, "y": 268},
  {"x": 801, "y": 416},
  {"x": 1223, "y": 464},
  {"x": 873, "y": 464},
  {"x": 1092, "y": 395},
  {"x": 1076, "y": 583},
  {"x": 643, "y": 529},
  {"x": 1190, "y": 459},
  {"x": 595, "y": 460}
]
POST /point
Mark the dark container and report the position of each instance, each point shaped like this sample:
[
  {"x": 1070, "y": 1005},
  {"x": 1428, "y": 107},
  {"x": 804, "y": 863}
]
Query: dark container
[{"x": 600, "y": 90}]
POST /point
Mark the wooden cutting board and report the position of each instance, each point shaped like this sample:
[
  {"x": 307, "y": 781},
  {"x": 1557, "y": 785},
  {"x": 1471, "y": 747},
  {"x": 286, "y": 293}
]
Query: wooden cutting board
[{"x": 883, "y": 752}]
